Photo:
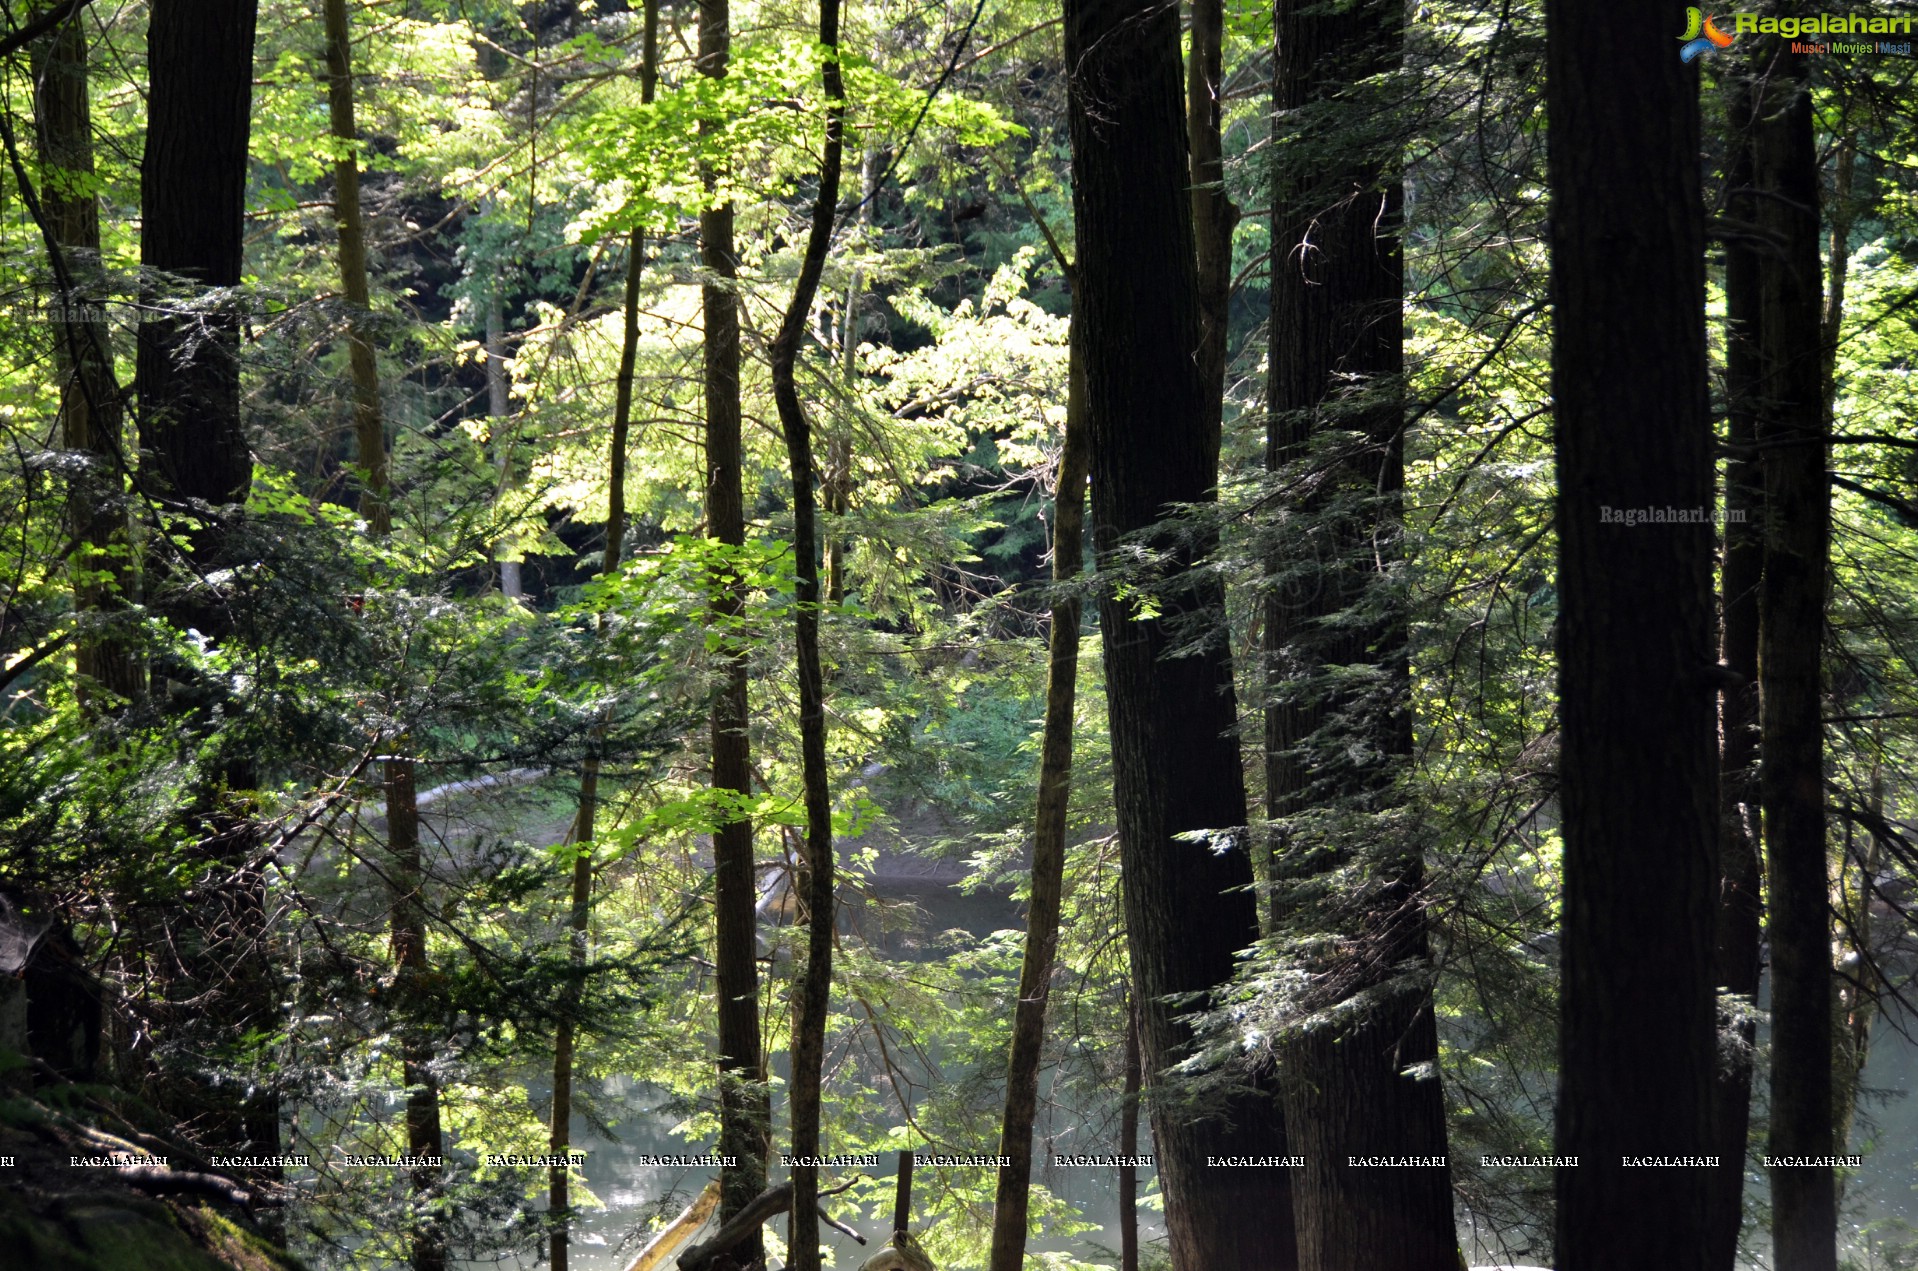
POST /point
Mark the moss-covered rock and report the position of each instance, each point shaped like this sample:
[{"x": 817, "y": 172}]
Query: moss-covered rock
[{"x": 114, "y": 1231}]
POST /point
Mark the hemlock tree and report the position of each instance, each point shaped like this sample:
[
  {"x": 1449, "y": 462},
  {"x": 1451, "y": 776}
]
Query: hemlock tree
[
  {"x": 1360, "y": 1077},
  {"x": 195, "y": 460},
  {"x": 406, "y": 921},
  {"x": 1637, "y": 667},
  {"x": 744, "y": 1104},
  {"x": 1790, "y": 435},
  {"x": 1740, "y": 912},
  {"x": 1179, "y": 791},
  {"x": 812, "y": 987},
  {"x": 1012, "y": 1196},
  {"x": 90, "y": 406}
]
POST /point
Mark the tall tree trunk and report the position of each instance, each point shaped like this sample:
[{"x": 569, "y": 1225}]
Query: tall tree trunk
[
  {"x": 1636, "y": 642},
  {"x": 1189, "y": 906},
  {"x": 836, "y": 488},
  {"x": 1131, "y": 1079},
  {"x": 423, "y": 1135},
  {"x": 499, "y": 406},
  {"x": 1791, "y": 439},
  {"x": 815, "y": 984},
  {"x": 90, "y": 414},
  {"x": 192, "y": 196},
  {"x": 1740, "y": 897},
  {"x": 585, "y": 830},
  {"x": 1213, "y": 215},
  {"x": 1010, "y": 1203},
  {"x": 369, "y": 424},
  {"x": 187, "y": 377},
  {"x": 1857, "y": 990},
  {"x": 406, "y": 914},
  {"x": 745, "y": 1104},
  {"x": 1366, "y": 1086},
  {"x": 579, "y": 918}
]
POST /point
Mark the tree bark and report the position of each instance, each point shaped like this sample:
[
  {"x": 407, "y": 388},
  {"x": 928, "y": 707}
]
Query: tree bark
[
  {"x": 1336, "y": 365},
  {"x": 196, "y": 459},
  {"x": 192, "y": 196},
  {"x": 816, "y": 868},
  {"x": 499, "y": 406},
  {"x": 90, "y": 408},
  {"x": 427, "y": 1234},
  {"x": 1740, "y": 912},
  {"x": 579, "y": 916},
  {"x": 1188, "y": 903},
  {"x": 1791, "y": 436},
  {"x": 1636, "y": 642},
  {"x": 1213, "y": 215},
  {"x": 1858, "y": 988},
  {"x": 369, "y": 424},
  {"x": 1010, "y": 1203},
  {"x": 1131, "y": 1079},
  {"x": 745, "y": 1105},
  {"x": 406, "y": 915},
  {"x": 836, "y": 488}
]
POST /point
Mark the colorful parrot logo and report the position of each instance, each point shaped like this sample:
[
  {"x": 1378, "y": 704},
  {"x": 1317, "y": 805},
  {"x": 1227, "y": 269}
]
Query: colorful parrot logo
[{"x": 1701, "y": 35}]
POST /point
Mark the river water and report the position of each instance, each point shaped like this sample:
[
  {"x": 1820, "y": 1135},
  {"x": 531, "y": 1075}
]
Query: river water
[{"x": 1879, "y": 1226}]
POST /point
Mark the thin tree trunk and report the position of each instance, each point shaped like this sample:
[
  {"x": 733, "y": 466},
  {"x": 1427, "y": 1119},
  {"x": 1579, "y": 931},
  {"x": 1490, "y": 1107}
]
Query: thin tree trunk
[
  {"x": 816, "y": 881},
  {"x": 745, "y": 1104},
  {"x": 1858, "y": 990},
  {"x": 1213, "y": 215},
  {"x": 499, "y": 406},
  {"x": 585, "y": 831},
  {"x": 1176, "y": 768},
  {"x": 1131, "y": 1080},
  {"x": 369, "y": 425},
  {"x": 1791, "y": 436},
  {"x": 406, "y": 916},
  {"x": 90, "y": 414},
  {"x": 1740, "y": 888},
  {"x": 424, "y": 1140},
  {"x": 1636, "y": 644},
  {"x": 1010, "y": 1204},
  {"x": 1367, "y": 1085},
  {"x": 836, "y": 489},
  {"x": 559, "y": 1179},
  {"x": 1857, "y": 993},
  {"x": 579, "y": 917}
]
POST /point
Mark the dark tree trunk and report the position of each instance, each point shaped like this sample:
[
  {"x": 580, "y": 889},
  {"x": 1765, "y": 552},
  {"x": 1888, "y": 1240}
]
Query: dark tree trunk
[
  {"x": 192, "y": 197},
  {"x": 1636, "y": 642},
  {"x": 1740, "y": 884},
  {"x": 1131, "y": 1079},
  {"x": 90, "y": 414},
  {"x": 1213, "y": 216},
  {"x": 408, "y": 924},
  {"x": 1009, "y": 1212},
  {"x": 745, "y": 1106},
  {"x": 1189, "y": 907},
  {"x": 816, "y": 883},
  {"x": 499, "y": 407},
  {"x": 1791, "y": 435},
  {"x": 405, "y": 916},
  {"x": 559, "y": 1178},
  {"x": 559, "y": 1140},
  {"x": 1336, "y": 403},
  {"x": 369, "y": 424},
  {"x": 1857, "y": 991},
  {"x": 192, "y": 203}
]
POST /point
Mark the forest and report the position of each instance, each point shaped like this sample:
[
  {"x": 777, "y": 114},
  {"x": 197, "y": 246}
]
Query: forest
[{"x": 958, "y": 635}]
